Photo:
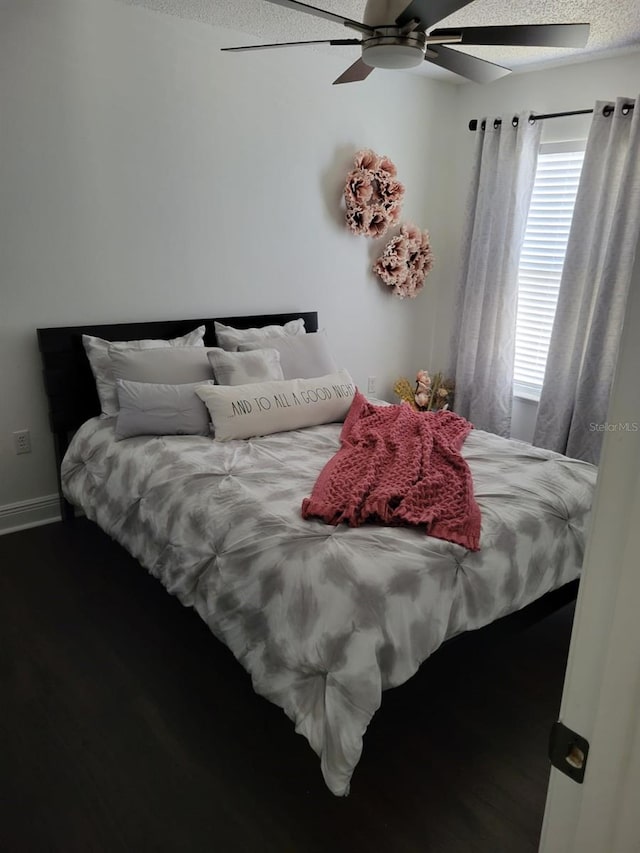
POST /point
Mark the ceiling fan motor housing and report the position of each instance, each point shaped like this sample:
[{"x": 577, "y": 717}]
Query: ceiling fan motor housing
[
  {"x": 389, "y": 49},
  {"x": 383, "y": 13}
]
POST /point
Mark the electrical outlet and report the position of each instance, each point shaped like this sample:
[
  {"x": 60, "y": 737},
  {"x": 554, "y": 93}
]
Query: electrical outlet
[
  {"x": 22, "y": 441},
  {"x": 371, "y": 385}
]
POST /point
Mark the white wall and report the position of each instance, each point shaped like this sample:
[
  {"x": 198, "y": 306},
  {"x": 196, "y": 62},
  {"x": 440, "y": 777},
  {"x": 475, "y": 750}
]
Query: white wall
[
  {"x": 568, "y": 87},
  {"x": 145, "y": 175}
]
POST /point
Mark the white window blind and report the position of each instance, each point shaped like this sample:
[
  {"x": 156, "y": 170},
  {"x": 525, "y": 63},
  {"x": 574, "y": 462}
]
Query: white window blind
[{"x": 542, "y": 259}]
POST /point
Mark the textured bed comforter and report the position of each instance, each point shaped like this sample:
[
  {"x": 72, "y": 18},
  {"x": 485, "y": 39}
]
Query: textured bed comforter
[{"x": 325, "y": 618}]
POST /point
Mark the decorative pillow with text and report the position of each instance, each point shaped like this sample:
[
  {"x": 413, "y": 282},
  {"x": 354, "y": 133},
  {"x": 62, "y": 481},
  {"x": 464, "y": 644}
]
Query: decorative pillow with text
[{"x": 262, "y": 408}]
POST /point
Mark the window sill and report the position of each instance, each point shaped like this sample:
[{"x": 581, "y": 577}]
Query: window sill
[
  {"x": 529, "y": 395},
  {"x": 526, "y": 396}
]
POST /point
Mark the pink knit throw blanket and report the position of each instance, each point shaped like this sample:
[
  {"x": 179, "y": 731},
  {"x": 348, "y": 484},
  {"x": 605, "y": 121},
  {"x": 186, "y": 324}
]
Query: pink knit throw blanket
[{"x": 399, "y": 466}]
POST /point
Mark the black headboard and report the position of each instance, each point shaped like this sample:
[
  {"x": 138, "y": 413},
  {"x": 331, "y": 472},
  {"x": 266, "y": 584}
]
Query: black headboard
[{"x": 68, "y": 379}]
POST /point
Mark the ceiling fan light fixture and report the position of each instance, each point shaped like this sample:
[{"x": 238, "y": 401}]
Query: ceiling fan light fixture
[{"x": 390, "y": 50}]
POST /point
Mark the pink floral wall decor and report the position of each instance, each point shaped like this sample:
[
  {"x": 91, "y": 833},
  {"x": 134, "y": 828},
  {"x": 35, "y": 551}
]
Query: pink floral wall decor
[
  {"x": 406, "y": 261},
  {"x": 373, "y": 195}
]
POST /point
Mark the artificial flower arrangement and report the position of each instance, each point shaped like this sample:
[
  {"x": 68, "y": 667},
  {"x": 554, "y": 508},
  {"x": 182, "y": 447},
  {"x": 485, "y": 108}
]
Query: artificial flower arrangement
[
  {"x": 372, "y": 194},
  {"x": 430, "y": 393},
  {"x": 406, "y": 262}
]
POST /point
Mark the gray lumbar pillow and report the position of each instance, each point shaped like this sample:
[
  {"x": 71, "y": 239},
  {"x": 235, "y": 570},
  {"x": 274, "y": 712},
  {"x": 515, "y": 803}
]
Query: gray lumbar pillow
[
  {"x": 148, "y": 408},
  {"x": 240, "y": 368},
  {"x": 302, "y": 356}
]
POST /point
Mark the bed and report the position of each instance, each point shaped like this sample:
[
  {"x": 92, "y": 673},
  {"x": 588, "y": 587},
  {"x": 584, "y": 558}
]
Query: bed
[{"x": 323, "y": 618}]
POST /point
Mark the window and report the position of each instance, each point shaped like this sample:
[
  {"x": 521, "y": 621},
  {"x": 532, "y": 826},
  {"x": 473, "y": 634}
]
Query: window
[{"x": 542, "y": 259}]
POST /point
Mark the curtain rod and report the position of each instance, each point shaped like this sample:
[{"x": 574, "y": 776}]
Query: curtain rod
[{"x": 606, "y": 111}]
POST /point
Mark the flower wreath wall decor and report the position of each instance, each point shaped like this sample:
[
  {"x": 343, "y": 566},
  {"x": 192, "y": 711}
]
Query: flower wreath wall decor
[
  {"x": 372, "y": 194},
  {"x": 406, "y": 261}
]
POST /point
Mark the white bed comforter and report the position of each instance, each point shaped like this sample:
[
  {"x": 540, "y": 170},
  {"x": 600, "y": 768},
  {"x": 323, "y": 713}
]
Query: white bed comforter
[{"x": 326, "y": 618}]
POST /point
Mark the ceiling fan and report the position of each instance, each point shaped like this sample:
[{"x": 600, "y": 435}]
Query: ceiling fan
[{"x": 405, "y": 43}]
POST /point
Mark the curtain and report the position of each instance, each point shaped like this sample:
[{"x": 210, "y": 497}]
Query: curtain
[
  {"x": 496, "y": 218},
  {"x": 595, "y": 280}
]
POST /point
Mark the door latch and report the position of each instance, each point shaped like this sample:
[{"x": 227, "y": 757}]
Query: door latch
[{"x": 568, "y": 751}]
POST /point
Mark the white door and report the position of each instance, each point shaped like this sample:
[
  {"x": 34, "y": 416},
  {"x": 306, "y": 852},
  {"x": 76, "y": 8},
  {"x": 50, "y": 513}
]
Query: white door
[{"x": 601, "y": 699}]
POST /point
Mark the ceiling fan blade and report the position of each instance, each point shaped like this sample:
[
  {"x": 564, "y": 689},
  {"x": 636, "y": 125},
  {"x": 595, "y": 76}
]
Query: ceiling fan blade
[
  {"x": 289, "y": 44},
  {"x": 478, "y": 70},
  {"x": 429, "y": 12},
  {"x": 322, "y": 13},
  {"x": 358, "y": 71},
  {"x": 534, "y": 35}
]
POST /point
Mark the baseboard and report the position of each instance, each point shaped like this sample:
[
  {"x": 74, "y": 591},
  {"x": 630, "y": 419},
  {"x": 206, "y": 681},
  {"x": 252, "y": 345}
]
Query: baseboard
[{"x": 32, "y": 513}]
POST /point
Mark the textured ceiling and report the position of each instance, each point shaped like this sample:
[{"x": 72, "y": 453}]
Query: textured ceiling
[{"x": 615, "y": 26}]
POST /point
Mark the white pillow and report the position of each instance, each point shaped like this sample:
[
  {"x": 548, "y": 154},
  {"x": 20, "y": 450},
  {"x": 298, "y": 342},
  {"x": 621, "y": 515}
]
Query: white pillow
[
  {"x": 229, "y": 338},
  {"x": 301, "y": 356},
  {"x": 147, "y": 408},
  {"x": 261, "y": 408},
  {"x": 97, "y": 350},
  {"x": 166, "y": 366},
  {"x": 239, "y": 368}
]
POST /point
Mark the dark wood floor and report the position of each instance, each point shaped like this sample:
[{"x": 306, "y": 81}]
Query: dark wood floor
[{"x": 126, "y": 726}]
